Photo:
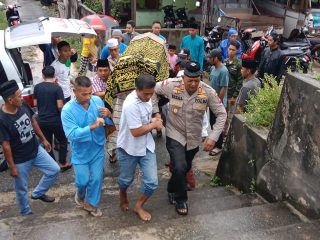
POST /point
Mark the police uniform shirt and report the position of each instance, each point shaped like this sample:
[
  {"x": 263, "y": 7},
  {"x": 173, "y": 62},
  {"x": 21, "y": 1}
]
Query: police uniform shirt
[{"x": 185, "y": 116}]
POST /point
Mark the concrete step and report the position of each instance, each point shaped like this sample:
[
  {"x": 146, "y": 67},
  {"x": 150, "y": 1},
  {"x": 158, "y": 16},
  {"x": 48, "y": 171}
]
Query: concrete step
[
  {"x": 110, "y": 201},
  {"x": 227, "y": 224},
  {"x": 201, "y": 201},
  {"x": 224, "y": 225},
  {"x": 309, "y": 230}
]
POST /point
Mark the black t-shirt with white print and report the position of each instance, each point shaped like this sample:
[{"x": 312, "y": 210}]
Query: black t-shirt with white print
[{"x": 17, "y": 129}]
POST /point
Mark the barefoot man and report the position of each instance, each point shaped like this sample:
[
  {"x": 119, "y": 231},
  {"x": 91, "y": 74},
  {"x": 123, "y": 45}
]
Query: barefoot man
[{"x": 135, "y": 144}]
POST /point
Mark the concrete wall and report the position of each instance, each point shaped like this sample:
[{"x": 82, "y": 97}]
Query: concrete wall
[
  {"x": 293, "y": 170},
  {"x": 288, "y": 161},
  {"x": 243, "y": 155}
]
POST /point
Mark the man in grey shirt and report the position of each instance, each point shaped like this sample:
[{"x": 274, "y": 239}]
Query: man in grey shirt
[
  {"x": 250, "y": 84},
  {"x": 130, "y": 27}
]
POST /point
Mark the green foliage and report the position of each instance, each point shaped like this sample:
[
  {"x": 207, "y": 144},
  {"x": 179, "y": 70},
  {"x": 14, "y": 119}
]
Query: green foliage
[
  {"x": 116, "y": 6},
  {"x": 75, "y": 42},
  {"x": 215, "y": 181},
  {"x": 3, "y": 20},
  {"x": 261, "y": 108},
  {"x": 94, "y": 5},
  {"x": 253, "y": 185},
  {"x": 252, "y": 163},
  {"x": 317, "y": 77}
]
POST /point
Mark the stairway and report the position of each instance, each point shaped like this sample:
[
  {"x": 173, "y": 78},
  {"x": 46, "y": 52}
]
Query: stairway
[
  {"x": 214, "y": 213},
  {"x": 245, "y": 12}
]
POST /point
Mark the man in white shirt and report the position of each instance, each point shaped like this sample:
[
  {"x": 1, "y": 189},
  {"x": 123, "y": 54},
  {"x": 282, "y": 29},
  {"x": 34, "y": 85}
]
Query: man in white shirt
[
  {"x": 62, "y": 69},
  {"x": 135, "y": 144}
]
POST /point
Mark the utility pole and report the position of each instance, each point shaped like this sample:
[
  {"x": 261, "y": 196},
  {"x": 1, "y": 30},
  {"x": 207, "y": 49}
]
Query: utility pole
[
  {"x": 204, "y": 17},
  {"x": 133, "y": 10},
  {"x": 107, "y": 7}
]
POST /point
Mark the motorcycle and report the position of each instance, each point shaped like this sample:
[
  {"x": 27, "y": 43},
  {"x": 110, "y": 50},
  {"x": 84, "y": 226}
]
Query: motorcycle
[
  {"x": 295, "y": 54},
  {"x": 212, "y": 38},
  {"x": 171, "y": 21},
  {"x": 297, "y": 48},
  {"x": 12, "y": 15},
  {"x": 257, "y": 47},
  {"x": 169, "y": 17},
  {"x": 302, "y": 36},
  {"x": 246, "y": 39},
  {"x": 182, "y": 18}
]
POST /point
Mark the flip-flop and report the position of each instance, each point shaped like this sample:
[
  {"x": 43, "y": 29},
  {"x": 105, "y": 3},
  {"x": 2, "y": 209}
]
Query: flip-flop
[
  {"x": 78, "y": 200},
  {"x": 113, "y": 159},
  {"x": 182, "y": 206},
  {"x": 66, "y": 168},
  {"x": 215, "y": 151},
  {"x": 96, "y": 212}
]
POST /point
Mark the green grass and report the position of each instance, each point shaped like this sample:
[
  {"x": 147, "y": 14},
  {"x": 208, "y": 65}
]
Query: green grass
[{"x": 3, "y": 20}]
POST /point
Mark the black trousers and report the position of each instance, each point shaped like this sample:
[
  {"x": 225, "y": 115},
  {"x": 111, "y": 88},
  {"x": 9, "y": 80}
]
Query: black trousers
[
  {"x": 50, "y": 130},
  {"x": 181, "y": 160},
  {"x": 213, "y": 118},
  {"x": 66, "y": 100}
]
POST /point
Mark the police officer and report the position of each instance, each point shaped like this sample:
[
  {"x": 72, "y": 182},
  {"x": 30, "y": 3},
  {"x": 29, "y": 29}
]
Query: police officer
[{"x": 188, "y": 101}]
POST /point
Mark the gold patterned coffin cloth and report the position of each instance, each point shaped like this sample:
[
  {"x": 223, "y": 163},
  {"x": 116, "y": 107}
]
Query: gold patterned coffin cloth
[{"x": 146, "y": 54}]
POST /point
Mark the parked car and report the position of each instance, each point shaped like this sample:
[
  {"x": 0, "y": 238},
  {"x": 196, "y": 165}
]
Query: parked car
[{"x": 38, "y": 32}]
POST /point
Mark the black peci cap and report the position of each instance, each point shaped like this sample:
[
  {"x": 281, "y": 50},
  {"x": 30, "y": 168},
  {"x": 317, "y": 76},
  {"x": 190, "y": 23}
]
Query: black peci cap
[
  {"x": 192, "y": 69},
  {"x": 8, "y": 88},
  {"x": 249, "y": 63}
]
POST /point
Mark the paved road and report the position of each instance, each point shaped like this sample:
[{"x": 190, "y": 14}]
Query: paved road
[{"x": 30, "y": 9}]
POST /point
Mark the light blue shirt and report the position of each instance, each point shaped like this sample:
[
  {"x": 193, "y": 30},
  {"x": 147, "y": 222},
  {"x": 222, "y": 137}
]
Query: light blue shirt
[
  {"x": 76, "y": 121},
  {"x": 135, "y": 114},
  {"x": 219, "y": 77},
  {"x": 162, "y": 37},
  {"x": 196, "y": 47},
  {"x": 105, "y": 51}
]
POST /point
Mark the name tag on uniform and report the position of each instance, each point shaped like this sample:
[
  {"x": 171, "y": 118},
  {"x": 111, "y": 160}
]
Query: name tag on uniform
[
  {"x": 175, "y": 105},
  {"x": 201, "y": 100},
  {"x": 199, "y": 106},
  {"x": 177, "y": 97}
]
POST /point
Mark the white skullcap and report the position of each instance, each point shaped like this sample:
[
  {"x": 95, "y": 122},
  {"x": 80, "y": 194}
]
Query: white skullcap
[{"x": 112, "y": 42}]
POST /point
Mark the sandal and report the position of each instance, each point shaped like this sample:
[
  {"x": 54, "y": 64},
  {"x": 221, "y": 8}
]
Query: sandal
[
  {"x": 171, "y": 198},
  {"x": 96, "y": 212},
  {"x": 65, "y": 168},
  {"x": 77, "y": 200},
  {"x": 215, "y": 151},
  {"x": 113, "y": 159},
  {"x": 180, "y": 206}
]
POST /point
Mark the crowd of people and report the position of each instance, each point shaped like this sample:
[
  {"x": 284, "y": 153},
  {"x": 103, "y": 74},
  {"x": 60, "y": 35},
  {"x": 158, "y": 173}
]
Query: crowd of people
[{"x": 73, "y": 109}]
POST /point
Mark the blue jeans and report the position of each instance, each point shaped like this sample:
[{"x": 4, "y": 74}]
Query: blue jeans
[
  {"x": 89, "y": 178},
  {"x": 148, "y": 165},
  {"x": 47, "y": 166}
]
